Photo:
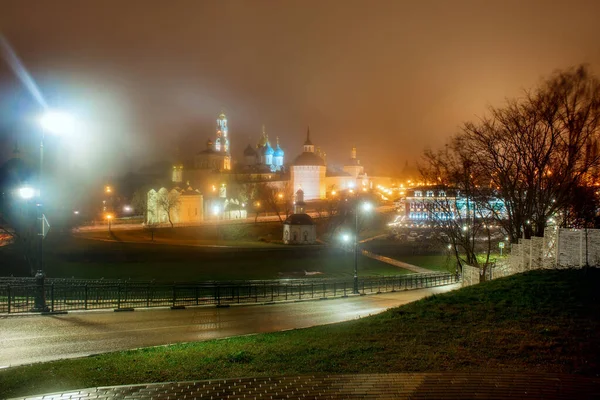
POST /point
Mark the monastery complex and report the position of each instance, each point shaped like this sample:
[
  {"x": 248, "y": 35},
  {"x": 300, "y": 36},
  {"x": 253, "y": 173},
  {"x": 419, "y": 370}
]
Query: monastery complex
[{"x": 214, "y": 186}]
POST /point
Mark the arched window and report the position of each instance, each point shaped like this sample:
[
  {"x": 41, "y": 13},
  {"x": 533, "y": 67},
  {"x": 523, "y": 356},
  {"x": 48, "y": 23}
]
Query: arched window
[
  {"x": 429, "y": 193},
  {"x": 418, "y": 193}
]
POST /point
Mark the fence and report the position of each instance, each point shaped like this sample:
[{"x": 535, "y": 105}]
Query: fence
[
  {"x": 19, "y": 295},
  {"x": 559, "y": 248}
]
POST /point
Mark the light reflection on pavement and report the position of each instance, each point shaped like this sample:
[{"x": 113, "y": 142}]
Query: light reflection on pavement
[{"x": 35, "y": 338}]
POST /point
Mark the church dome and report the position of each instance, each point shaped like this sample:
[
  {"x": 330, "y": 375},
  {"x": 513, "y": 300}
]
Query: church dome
[
  {"x": 249, "y": 151},
  {"x": 267, "y": 150},
  {"x": 278, "y": 151},
  {"x": 308, "y": 158}
]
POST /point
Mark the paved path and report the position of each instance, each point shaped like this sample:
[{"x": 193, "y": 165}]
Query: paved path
[
  {"x": 396, "y": 263},
  {"x": 414, "y": 386},
  {"x": 35, "y": 338}
]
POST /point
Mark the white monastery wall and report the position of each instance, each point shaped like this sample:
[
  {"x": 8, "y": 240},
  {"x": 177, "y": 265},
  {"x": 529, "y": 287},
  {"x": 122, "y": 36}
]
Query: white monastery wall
[{"x": 311, "y": 179}]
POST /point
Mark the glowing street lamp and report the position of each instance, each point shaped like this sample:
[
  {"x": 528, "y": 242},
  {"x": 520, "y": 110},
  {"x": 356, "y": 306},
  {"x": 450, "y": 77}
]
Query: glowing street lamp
[
  {"x": 57, "y": 123},
  {"x": 109, "y": 217},
  {"x": 365, "y": 207},
  {"x": 26, "y": 192}
]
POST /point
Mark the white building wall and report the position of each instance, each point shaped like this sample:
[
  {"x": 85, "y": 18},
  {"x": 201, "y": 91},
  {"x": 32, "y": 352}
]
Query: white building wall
[
  {"x": 311, "y": 179},
  {"x": 299, "y": 234}
]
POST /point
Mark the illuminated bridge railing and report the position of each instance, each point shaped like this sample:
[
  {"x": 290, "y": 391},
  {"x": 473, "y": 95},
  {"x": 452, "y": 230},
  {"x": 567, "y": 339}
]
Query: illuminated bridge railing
[{"x": 19, "y": 295}]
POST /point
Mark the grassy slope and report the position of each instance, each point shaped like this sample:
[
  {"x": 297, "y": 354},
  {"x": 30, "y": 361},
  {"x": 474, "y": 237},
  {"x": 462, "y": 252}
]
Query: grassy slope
[
  {"x": 84, "y": 258},
  {"x": 542, "y": 321}
]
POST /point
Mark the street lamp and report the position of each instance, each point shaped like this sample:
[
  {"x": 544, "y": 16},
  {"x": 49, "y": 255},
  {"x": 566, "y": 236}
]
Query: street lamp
[
  {"x": 26, "y": 192},
  {"x": 54, "y": 122},
  {"x": 366, "y": 207},
  {"x": 109, "y": 217}
]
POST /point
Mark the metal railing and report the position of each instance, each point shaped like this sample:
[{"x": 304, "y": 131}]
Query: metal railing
[{"x": 18, "y": 295}]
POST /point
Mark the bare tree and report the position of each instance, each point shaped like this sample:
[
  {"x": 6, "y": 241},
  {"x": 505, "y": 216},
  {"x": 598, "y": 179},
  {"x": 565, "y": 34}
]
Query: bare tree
[
  {"x": 269, "y": 196},
  {"x": 139, "y": 201},
  {"x": 168, "y": 202},
  {"x": 458, "y": 206},
  {"x": 538, "y": 149}
]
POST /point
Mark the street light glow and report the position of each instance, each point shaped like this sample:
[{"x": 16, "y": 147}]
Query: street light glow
[
  {"x": 57, "y": 122},
  {"x": 26, "y": 192},
  {"x": 216, "y": 210},
  {"x": 367, "y": 206},
  {"x": 346, "y": 237}
]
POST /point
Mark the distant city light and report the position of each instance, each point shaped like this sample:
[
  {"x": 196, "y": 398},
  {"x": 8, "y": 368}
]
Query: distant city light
[
  {"x": 76, "y": 212},
  {"x": 127, "y": 208},
  {"x": 26, "y": 192},
  {"x": 333, "y": 192}
]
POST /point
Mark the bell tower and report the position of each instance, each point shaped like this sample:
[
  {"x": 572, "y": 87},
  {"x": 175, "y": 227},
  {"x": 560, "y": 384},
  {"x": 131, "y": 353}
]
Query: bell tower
[{"x": 222, "y": 142}]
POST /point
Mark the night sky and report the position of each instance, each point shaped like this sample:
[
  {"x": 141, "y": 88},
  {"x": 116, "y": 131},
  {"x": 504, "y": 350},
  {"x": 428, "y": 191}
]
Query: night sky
[{"x": 392, "y": 77}]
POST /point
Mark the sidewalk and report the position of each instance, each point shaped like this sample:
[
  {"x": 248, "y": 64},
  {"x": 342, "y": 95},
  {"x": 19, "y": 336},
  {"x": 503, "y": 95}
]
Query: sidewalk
[{"x": 445, "y": 385}]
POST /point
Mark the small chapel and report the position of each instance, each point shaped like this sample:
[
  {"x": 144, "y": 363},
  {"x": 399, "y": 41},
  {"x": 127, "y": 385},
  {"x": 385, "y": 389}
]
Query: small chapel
[{"x": 299, "y": 228}]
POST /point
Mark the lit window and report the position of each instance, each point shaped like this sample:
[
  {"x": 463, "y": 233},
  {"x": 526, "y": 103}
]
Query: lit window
[{"x": 418, "y": 193}]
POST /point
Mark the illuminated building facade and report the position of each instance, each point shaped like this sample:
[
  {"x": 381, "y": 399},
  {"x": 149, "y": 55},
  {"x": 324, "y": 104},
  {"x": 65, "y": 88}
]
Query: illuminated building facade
[{"x": 308, "y": 172}]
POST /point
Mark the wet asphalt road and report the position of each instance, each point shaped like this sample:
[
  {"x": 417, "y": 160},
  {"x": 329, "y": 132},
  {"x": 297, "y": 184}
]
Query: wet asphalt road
[{"x": 36, "y": 338}]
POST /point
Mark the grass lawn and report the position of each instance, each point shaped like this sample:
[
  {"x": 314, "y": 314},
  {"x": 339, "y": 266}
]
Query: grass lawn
[
  {"x": 67, "y": 256},
  {"x": 541, "y": 321},
  {"x": 441, "y": 263}
]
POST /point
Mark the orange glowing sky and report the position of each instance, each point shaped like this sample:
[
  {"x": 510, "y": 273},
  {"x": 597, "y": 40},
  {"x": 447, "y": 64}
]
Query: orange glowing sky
[{"x": 391, "y": 77}]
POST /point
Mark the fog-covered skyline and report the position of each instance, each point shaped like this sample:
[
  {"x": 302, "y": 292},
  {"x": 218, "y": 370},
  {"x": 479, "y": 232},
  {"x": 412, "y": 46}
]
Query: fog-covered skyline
[{"x": 391, "y": 77}]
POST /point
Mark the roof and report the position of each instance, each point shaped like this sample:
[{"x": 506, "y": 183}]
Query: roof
[
  {"x": 267, "y": 150},
  {"x": 278, "y": 151},
  {"x": 308, "y": 158},
  {"x": 249, "y": 151},
  {"x": 299, "y": 219},
  {"x": 307, "y": 142}
]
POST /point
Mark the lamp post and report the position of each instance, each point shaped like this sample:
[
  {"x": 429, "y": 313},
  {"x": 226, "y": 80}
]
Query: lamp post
[
  {"x": 56, "y": 123},
  {"x": 365, "y": 207},
  {"x": 109, "y": 218}
]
